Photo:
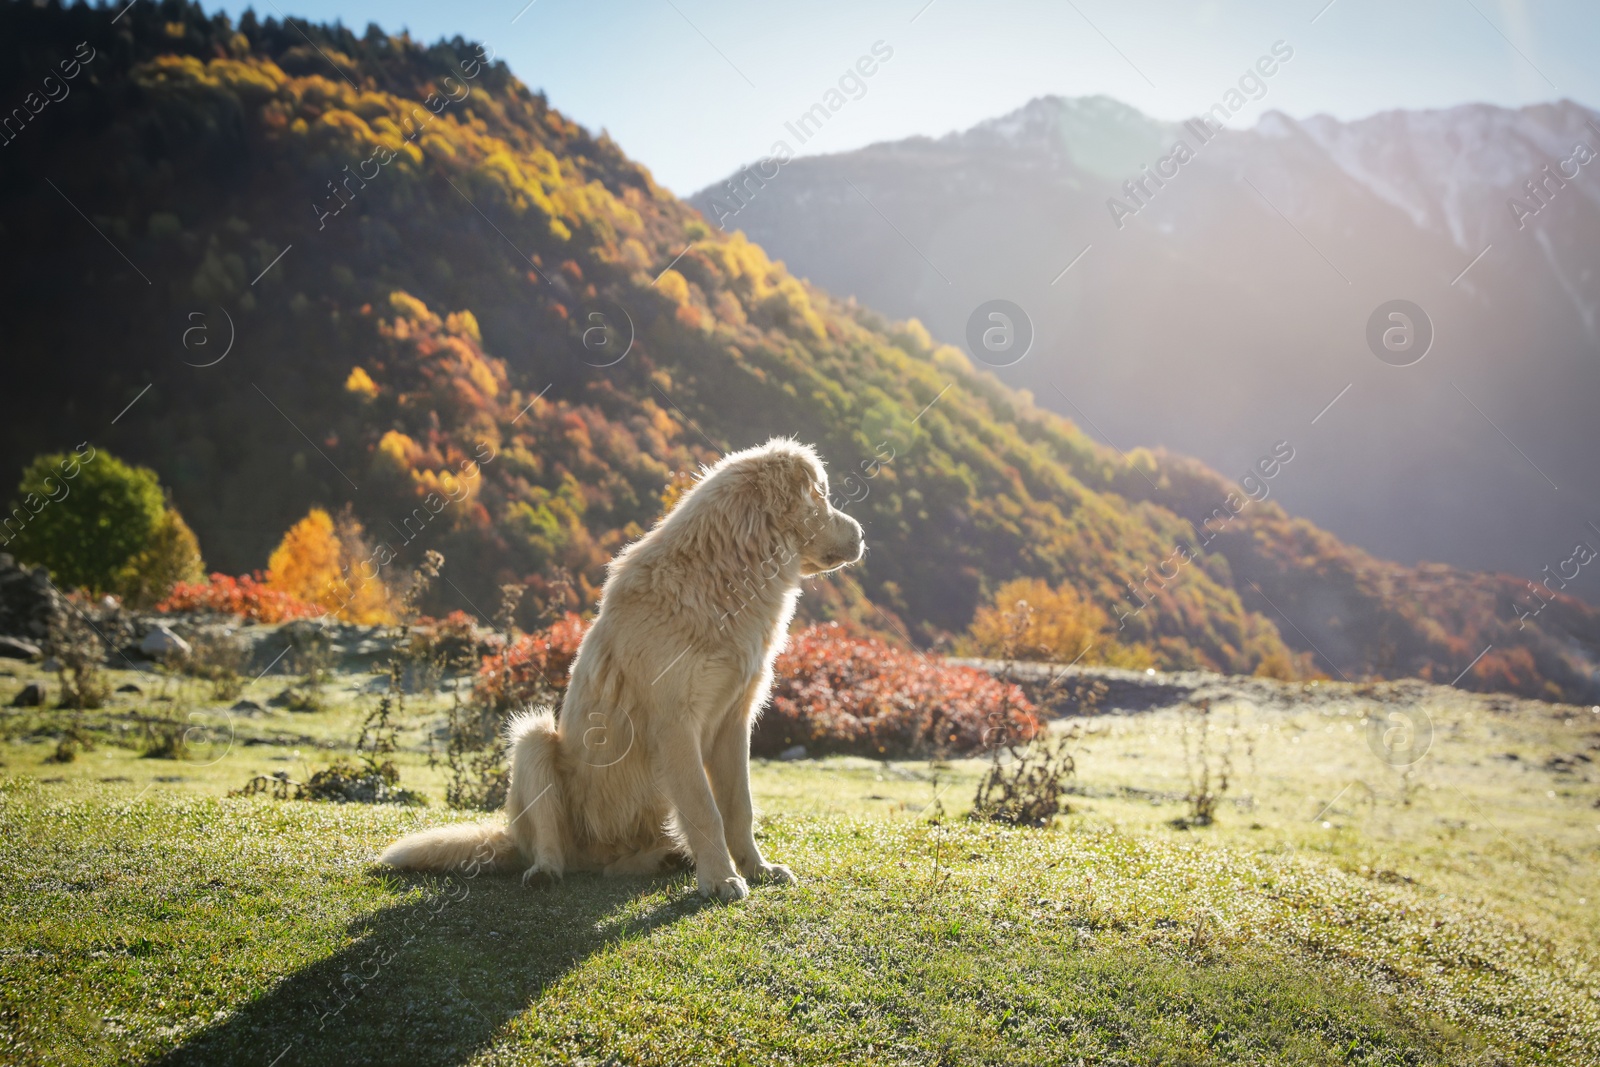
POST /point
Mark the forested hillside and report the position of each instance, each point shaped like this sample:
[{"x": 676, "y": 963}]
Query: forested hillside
[{"x": 487, "y": 331}]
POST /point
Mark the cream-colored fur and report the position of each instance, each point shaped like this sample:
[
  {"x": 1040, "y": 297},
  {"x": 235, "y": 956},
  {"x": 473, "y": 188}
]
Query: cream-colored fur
[{"x": 651, "y": 755}]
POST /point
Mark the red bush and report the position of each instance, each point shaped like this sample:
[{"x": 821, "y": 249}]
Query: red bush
[
  {"x": 246, "y": 595},
  {"x": 534, "y": 669},
  {"x": 834, "y": 694},
  {"x": 858, "y": 695}
]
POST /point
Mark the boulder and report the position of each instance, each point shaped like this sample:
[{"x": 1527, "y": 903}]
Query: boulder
[
  {"x": 17, "y": 648},
  {"x": 161, "y": 641},
  {"x": 28, "y": 602},
  {"x": 792, "y": 753},
  {"x": 31, "y": 696}
]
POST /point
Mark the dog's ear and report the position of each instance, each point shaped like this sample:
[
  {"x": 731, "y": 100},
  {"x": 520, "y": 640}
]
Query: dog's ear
[{"x": 786, "y": 479}]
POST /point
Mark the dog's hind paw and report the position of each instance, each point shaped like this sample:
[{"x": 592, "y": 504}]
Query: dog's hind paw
[
  {"x": 775, "y": 873},
  {"x": 728, "y": 890}
]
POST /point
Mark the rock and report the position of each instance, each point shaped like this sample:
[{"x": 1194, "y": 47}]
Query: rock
[
  {"x": 792, "y": 753},
  {"x": 17, "y": 648},
  {"x": 28, "y": 602},
  {"x": 249, "y": 707},
  {"x": 161, "y": 641},
  {"x": 129, "y": 687},
  {"x": 297, "y": 700},
  {"x": 31, "y": 696}
]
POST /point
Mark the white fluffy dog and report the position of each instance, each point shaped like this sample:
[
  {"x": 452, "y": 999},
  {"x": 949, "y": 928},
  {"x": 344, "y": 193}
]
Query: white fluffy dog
[{"x": 651, "y": 755}]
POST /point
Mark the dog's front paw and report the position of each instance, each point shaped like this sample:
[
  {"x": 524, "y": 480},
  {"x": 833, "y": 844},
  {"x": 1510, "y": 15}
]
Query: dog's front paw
[
  {"x": 539, "y": 876},
  {"x": 776, "y": 873},
  {"x": 727, "y": 890}
]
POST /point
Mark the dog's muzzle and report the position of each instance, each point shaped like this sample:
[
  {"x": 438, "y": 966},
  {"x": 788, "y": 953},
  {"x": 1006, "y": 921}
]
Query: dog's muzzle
[{"x": 851, "y": 551}]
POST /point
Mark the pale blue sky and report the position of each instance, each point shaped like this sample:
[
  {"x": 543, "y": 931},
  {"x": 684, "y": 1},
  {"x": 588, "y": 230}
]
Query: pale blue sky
[{"x": 694, "y": 88}]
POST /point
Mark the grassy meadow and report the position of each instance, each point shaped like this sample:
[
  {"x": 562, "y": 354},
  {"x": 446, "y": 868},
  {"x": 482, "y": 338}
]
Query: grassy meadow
[{"x": 1339, "y": 910}]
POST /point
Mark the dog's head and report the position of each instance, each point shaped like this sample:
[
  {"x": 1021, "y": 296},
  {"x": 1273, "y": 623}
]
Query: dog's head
[{"x": 787, "y": 485}]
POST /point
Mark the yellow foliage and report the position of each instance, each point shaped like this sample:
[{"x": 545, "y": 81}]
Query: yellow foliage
[
  {"x": 634, "y": 254},
  {"x": 312, "y": 561},
  {"x": 678, "y": 483},
  {"x": 729, "y": 310},
  {"x": 481, "y": 375},
  {"x": 409, "y": 306},
  {"x": 1028, "y": 620},
  {"x": 361, "y": 384},
  {"x": 252, "y": 80},
  {"x": 1276, "y": 665},
  {"x": 400, "y": 451},
  {"x": 674, "y": 286},
  {"x": 1056, "y": 624},
  {"x": 172, "y": 556},
  {"x": 917, "y": 334},
  {"x": 464, "y": 323},
  {"x": 801, "y": 313},
  {"x": 450, "y": 488},
  {"x": 1130, "y": 657}
]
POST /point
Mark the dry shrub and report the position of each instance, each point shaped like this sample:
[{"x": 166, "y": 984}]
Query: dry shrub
[
  {"x": 77, "y": 649},
  {"x": 372, "y": 778},
  {"x": 448, "y": 644},
  {"x": 528, "y": 670},
  {"x": 479, "y": 777},
  {"x": 310, "y": 656},
  {"x": 75, "y": 739},
  {"x": 1208, "y": 767},
  {"x": 342, "y": 782},
  {"x": 860, "y": 696},
  {"x": 220, "y": 659},
  {"x": 165, "y": 738},
  {"x": 1027, "y": 790}
]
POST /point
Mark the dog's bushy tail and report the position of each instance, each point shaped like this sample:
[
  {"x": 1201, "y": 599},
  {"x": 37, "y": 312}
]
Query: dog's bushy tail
[
  {"x": 469, "y": 848},
  {"x": 535, "y": 832}
]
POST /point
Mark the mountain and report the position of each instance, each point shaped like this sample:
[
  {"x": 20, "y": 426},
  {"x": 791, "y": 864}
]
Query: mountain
[
  {"x": 288, "y": 265},
  {"x": 1226, "y": 305}
]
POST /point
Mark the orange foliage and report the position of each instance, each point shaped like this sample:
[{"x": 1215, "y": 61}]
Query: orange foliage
[
  {"x": 1029, "y": 620},
  {"x": 246, "y": 596},
  {"x": 312, "y": 562}
]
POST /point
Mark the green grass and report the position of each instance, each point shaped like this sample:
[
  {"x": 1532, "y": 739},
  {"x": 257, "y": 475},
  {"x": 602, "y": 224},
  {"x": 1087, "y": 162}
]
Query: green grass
[{"x": 1328, "y": 917}]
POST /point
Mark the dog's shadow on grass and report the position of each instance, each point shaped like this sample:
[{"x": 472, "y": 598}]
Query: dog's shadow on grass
[{"x": 432, "y": 980}]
